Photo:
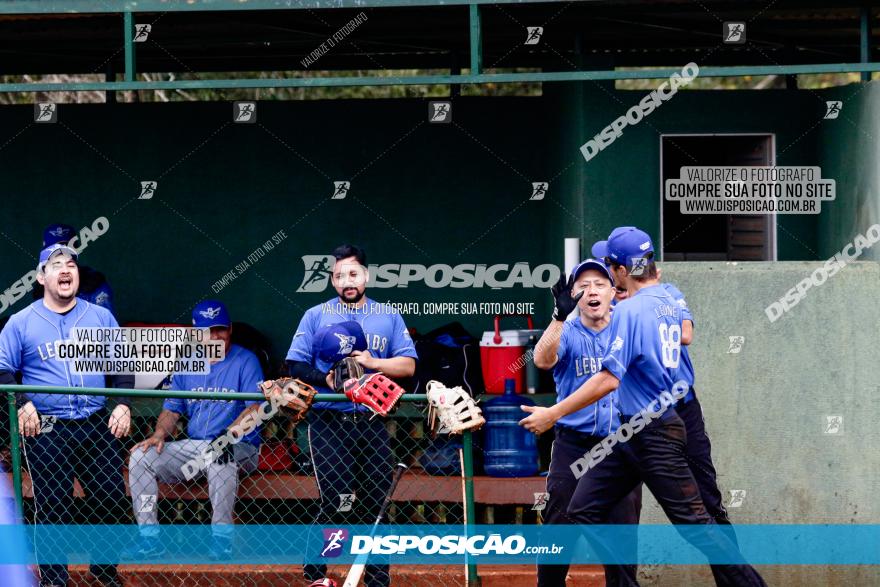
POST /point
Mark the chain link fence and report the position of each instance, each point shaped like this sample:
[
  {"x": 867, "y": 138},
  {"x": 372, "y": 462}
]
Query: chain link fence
[{"x": 334, "y": 468}]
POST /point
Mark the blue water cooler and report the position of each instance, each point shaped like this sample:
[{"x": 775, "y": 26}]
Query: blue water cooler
[{"x": 509, "y": 449}]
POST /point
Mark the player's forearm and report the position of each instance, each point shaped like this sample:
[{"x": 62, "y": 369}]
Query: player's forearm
[
  {"x": 8, "y": 378},
  {"x": 244, "y": 414},
  {"x": 396, "y": 366},
  {"x": 547, "y": 347},
  {"x": 165, "y": 424},
  {"x": 306, "y": 373},
  {"x": 687, "y": 332},
  {"x": 593, "y": 389},
  {"x": 121, "y": 382}
]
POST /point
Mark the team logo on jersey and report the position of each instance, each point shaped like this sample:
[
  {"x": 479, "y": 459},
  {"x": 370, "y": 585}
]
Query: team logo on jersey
[
  {"x": 244, "y": 112},
  {"x": 46, "y": 112},
  {"x": 440, "y": 112},
  {"x": 59, "y": 232},
  {"x": 346, "y": 501},
  {"x": 334, "y": 538},
  {"x": 210, "y": 313},
  {"x": 736, "y": 345},
  {"x": 142, "y": 32},
  {"x": 617, "y": 344},
  {"x": 737, "y": 496},
  {"x": 533, "y": 34},
  {"x": 539, "y": 190},
  {"x": 734, "y": 33},
  {"x": 541, "y": 499},
  {"x": 832, "y": 109},
  {"x": 346, "y": 343}
]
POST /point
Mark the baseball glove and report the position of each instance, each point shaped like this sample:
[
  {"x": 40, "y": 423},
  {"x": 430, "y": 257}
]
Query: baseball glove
[
  {"x": 343, "y": 370},
  {"x": 453, "y": 409},
  {"x": 292, "y": 396},
  {"x": 375, "y": 391}
]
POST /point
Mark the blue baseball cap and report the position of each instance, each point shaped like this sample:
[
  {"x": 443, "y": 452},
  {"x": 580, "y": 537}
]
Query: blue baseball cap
[
  {"x": 211, "y": 313},
  {"x": 592, "y": 264},
  {"x": 52, "y": 250},
  {"x": 625, "y": 244},
  {"x": 57, "y": 233},
  {"x": 337, "y": 341},
  {"x": 600, "y": 248}
]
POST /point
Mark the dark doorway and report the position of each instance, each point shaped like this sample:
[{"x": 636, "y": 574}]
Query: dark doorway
[{"x": 714, "y": 237}]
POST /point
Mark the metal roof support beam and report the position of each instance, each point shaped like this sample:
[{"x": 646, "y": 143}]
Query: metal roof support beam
[
  {"x": 865, "y": 38},
  {"x": 476, "y": 40},
  {"x": 128, "y": 38}
]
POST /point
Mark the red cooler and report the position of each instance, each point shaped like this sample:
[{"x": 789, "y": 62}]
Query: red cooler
[{"x": 501, "y": 355}]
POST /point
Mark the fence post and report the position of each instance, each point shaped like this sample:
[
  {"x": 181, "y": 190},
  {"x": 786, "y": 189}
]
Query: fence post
[
  {"x": 15, "y": 448},
  {"x": 473, "y": 579}
]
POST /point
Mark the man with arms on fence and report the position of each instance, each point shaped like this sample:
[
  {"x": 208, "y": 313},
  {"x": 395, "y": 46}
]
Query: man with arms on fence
[{"x": 66, "y": 435}]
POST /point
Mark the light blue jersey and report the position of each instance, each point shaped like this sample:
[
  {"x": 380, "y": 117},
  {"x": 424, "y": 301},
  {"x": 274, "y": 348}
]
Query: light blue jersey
[
  {"x": 238, "y": 372},
  {"x": 383, "y": 327},
  {"x": 685, "y": 367},
  {"x": 27, "y": 344},
  {"x": 580, "y": 357},
  {"x": 645, "y": 351}
]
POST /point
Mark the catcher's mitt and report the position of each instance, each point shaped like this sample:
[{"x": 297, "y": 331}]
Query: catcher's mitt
[
  {"x": 343, "y": 370},
  {"x": 292, "y": 396},
  {"x": 375, "y": 391},
  {"x": 453, "y": 408}
]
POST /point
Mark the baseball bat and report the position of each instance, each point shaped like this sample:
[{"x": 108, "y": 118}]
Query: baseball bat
[{"x": 357, "y": 569}]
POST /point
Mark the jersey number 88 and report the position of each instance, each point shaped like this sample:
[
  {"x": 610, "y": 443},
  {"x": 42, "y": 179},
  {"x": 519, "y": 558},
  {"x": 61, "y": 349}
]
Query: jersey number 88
[{"x": 670, "y": 339}]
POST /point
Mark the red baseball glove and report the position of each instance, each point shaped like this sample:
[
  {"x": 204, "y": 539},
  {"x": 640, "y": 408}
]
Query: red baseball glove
[{"x": 375, "y": 391}]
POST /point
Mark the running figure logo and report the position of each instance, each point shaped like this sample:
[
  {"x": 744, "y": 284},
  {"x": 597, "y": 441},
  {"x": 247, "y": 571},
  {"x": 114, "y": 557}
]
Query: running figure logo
[
  {"x": 244, "y": 112},
  {"x": 440, "y": 112},
  {"x": 736, "y": 345},
  {"x": 737, "y": 496},
  {"x": 46, "y": 112},
  {"x": 639, "y": 264},
  {"x": 541, "y": 499},
  {"x": 142, "y": 32},
  {"x": 539, "y": 190},
  {"x": 734, "y": 33},
  {"x": 340, "y": 190},
  {"x": 334, "y": 538},
  {"x": 833, "y": 424},
  {"x": 148, "y": 188},
  {"x": 317, "y": 274},
  {"x": 346, "y": 501},
  {"x": 832, "y": 109},
  {"x": 533, "y": 34}
]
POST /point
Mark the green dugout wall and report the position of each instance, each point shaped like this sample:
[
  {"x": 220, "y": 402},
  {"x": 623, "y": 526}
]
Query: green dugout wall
[{"x": 420, "y": 193}]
